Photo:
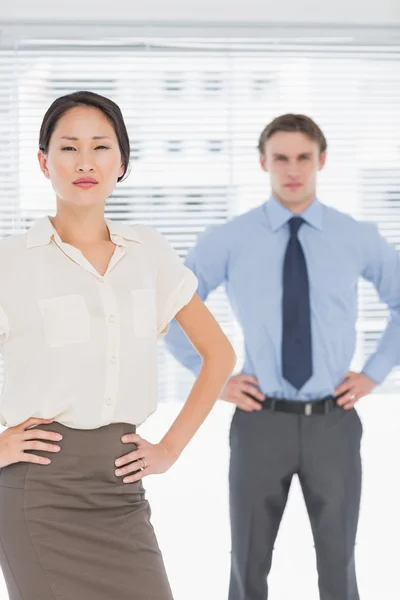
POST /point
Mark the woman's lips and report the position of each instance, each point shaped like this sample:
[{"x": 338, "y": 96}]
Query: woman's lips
[{"x": 85, "y": 184}]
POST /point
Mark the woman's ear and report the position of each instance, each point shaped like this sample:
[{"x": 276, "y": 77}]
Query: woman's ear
[{"x": 42, "y": 158}]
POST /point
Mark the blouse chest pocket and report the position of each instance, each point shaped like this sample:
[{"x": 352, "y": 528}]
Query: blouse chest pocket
[
  {"x": 66, "y": 320},
  {"x": 144, "y": 313}
]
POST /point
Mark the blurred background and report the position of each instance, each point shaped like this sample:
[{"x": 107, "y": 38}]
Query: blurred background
[{"x": 197, "y": 82}]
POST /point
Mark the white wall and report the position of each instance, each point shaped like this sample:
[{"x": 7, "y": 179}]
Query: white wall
[{"x": 371, "y": 12}]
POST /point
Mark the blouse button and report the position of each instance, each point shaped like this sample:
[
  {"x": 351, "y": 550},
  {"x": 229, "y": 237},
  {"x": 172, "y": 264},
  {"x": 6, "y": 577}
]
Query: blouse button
[
  {"x": 111, "y": 318},
  {"x": 113, "y": 360},
  {"x": 108, "y": 401}
]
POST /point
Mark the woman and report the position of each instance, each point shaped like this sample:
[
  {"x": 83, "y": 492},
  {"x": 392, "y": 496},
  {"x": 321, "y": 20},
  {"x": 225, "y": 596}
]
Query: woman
[{"x": 82, "y": 302}]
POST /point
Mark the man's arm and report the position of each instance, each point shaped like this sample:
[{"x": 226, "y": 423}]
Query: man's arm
[
  {"x": 383, "y": 270},
  {"x": 209, "y": 262}
]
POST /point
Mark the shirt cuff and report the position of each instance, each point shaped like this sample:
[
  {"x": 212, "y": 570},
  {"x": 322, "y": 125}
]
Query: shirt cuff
[
  {"x": 179, "y": 298},
  {"x": 378, "y": 368}
]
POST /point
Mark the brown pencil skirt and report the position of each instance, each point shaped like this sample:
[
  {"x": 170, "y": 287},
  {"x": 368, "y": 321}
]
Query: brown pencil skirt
[{"x": 72, "y": 530}]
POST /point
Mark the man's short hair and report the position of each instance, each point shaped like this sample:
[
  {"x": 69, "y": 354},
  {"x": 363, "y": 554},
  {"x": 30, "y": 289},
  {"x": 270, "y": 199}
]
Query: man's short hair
[{"x": 293, "y": 123}]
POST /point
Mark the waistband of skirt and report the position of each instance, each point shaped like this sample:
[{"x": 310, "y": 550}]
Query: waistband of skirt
[{"x": 102, "y": 440}]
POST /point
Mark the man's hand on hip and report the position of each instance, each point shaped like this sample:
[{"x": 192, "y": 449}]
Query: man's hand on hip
[
  {"x": 354, "y": 387},
  {"x": 238, "y": 389}
]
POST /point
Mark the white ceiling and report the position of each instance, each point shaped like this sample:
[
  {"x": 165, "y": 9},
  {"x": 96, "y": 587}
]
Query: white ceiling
[{"x": 349, "y": 12}]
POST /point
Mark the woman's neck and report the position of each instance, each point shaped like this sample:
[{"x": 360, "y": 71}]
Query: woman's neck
[{"x": 80, "y": 227}]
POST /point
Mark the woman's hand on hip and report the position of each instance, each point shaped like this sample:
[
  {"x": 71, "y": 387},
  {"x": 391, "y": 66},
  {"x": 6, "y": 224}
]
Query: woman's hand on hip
[
  {"x": 146, "y": 460},
  {"x": 14, "y": 442}
]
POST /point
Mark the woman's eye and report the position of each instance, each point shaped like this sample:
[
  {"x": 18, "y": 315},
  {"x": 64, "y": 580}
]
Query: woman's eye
[{"x": 69, "y": 148}]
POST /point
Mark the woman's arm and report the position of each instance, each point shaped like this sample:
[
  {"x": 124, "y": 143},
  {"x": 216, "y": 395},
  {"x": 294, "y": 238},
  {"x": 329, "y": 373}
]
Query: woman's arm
[{"x": 218, "y": 362}]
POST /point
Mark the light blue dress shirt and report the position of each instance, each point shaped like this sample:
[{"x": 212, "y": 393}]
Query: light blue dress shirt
[{"x": 246, "y": 255}]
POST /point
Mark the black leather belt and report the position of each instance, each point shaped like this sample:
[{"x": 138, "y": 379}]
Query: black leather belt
[{"x": 320, "y": 406}]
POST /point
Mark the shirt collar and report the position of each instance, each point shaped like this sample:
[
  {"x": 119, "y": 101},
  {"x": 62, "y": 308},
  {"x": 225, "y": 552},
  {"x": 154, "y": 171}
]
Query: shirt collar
[
  {"x": 279, "y": 215},
  {"x": 120, "y": 233},
  {"x": 42, "y": 233}
]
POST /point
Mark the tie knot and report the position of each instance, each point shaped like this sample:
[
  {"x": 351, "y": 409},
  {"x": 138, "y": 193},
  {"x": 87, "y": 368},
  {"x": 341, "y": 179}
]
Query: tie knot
[{"x": 295, "y": 223}]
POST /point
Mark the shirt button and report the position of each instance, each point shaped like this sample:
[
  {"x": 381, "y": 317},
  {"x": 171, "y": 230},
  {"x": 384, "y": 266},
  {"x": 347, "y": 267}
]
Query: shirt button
[
  {"x": 108, "y": 401},
  {"x": 111, "y": 318},
  {"x": 113, "y": 360}
]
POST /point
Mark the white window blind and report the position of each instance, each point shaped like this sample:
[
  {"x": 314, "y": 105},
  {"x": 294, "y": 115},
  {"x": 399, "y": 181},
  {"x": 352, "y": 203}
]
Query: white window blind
[{"x": 194, "y": 107}]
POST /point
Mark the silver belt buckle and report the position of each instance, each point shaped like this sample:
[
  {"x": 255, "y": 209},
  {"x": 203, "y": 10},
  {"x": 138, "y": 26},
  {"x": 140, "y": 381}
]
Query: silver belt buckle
[{"x": 308, "y": 409}]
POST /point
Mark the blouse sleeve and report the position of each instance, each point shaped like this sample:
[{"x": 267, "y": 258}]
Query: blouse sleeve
[{"x": 176, "y": 285}]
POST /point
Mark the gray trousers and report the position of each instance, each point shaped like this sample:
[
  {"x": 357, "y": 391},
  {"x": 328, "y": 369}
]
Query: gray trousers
[{"x": 267, "y": 449}]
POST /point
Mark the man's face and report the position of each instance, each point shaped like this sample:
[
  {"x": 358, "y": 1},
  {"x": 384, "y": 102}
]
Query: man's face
[{"x": 293, "y": 160}]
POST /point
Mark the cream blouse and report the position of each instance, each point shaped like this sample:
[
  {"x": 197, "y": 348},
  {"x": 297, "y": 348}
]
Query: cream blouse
[{"x": 79, "y": 346}]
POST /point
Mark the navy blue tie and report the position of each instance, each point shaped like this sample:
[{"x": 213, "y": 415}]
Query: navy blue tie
[{"x": 296, "y": 329}]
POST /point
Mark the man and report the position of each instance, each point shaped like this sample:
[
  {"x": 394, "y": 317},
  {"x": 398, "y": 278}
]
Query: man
[{"x": 291, "y": 268}]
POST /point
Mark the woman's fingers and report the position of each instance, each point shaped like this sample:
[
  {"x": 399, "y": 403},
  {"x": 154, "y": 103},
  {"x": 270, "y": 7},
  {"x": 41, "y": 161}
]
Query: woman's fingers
[
  {"x": 152, "y": 458},
  {"x": 33, "y": 422},
  {"x": 32, "y": 434},
  {"x": 131, "y": 468},
  {"x": 32, "y": 458},
  {"x": 127, "y": 458},
  {"x": 132, "y": 438},
  {"x": 40, "y": 446},
  {"x": 136, "y": 477}
]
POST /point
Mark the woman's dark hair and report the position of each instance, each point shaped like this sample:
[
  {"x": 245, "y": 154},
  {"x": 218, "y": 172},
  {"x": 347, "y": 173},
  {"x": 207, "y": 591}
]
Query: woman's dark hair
[{"x": 109, "y": 108}]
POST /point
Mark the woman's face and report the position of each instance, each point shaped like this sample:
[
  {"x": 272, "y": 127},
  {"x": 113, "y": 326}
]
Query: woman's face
[{"x": 83, "y": 160}]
